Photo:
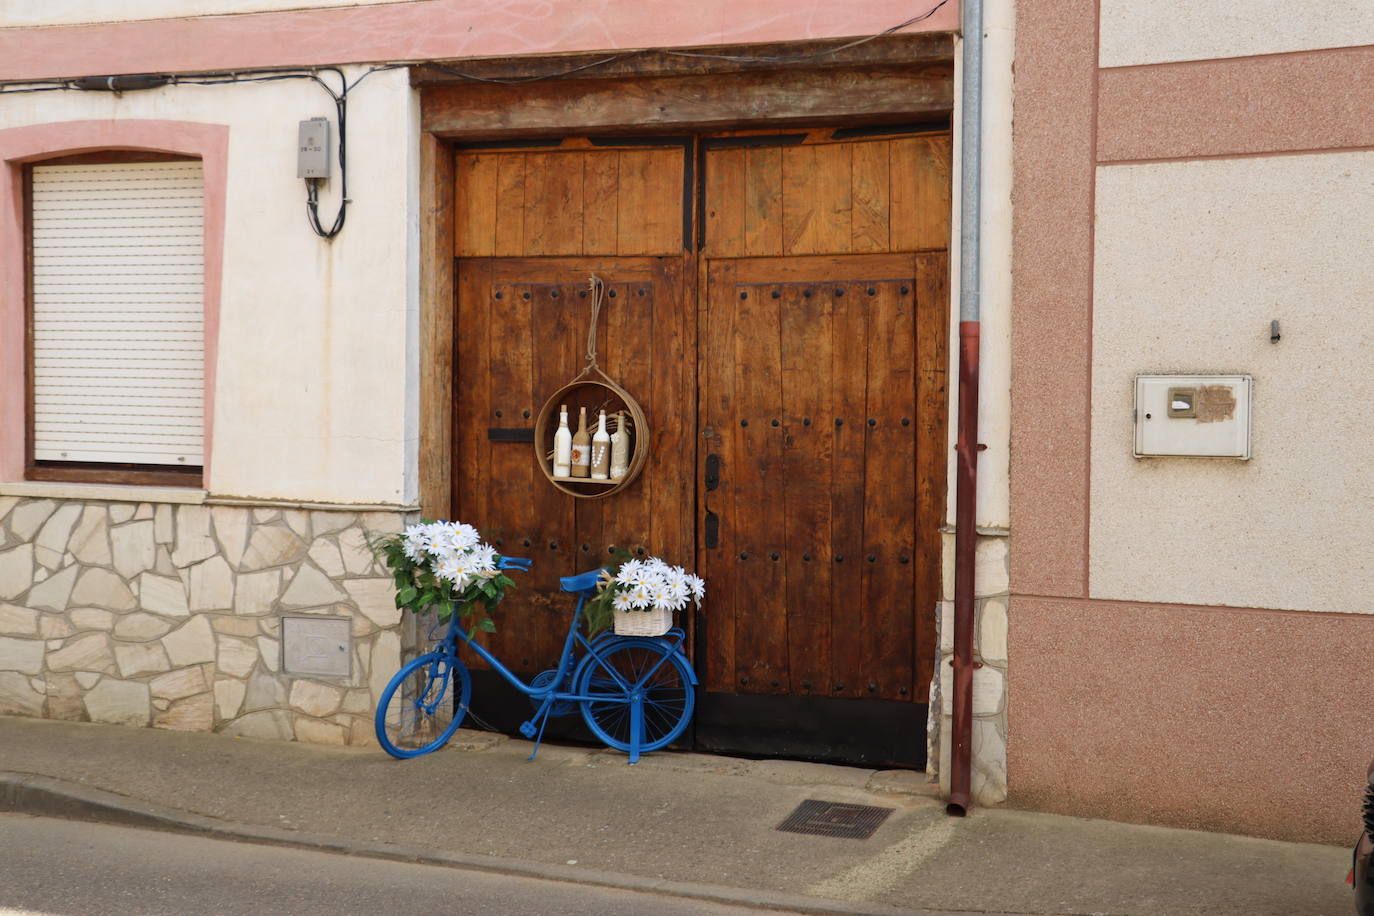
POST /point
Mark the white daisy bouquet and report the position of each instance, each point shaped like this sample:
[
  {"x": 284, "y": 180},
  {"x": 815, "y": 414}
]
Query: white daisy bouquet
[
  {"x": 642, "y": 585},
  {"x": 444, "y": 566}
]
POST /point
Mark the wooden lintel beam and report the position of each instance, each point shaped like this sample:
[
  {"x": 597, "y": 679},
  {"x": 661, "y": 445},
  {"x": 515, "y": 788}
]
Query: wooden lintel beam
[
  {"x": 829, "y": 53},
  {"x": 717, "y": 101}
]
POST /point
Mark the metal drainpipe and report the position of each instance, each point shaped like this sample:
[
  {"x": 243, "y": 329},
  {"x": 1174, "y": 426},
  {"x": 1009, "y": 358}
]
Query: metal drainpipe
[{"x": 967, "y": 448}]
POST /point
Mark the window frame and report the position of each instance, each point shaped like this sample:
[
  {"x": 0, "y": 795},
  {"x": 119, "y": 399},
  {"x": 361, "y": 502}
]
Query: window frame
[{"x": 87, "y": 471}]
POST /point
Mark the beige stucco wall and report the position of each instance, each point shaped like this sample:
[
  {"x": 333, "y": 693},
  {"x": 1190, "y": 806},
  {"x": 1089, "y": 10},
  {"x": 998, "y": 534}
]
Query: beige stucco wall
[
  {"x": 1133, "y": 32},
  {"x": 1193, "y": 261},
  {"x": 313, "y": 395}
]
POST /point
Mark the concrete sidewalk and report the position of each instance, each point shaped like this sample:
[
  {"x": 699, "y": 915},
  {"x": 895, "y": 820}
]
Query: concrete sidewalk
[{"x": 685, "y": 824}]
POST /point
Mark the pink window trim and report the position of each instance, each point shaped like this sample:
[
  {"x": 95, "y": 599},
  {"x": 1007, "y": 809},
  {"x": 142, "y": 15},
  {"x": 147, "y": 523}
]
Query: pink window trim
[{"x": 20, "y": 145}]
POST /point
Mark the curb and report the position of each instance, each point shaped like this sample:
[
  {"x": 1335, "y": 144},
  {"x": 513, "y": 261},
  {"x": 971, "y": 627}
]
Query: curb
[{"x": 26, "y": 793}]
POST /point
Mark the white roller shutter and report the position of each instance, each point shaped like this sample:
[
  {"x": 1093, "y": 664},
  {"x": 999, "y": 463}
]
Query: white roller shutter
[{"x": 118, "y": 326}]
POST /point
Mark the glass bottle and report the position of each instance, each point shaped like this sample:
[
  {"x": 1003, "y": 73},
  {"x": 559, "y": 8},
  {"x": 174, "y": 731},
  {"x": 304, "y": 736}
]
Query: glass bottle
[
  {"x": 562, "y": 445},
  {"x": 581, "y": 448},
  {"x": 601, "y": 451}
]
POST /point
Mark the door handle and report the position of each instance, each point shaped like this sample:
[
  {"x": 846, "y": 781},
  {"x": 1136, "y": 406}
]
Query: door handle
[
  {"x": 712, "y": 472},
  {"x": 712, "y": 530}
]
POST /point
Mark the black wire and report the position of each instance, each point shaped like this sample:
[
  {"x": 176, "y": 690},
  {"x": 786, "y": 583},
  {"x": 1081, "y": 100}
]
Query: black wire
[
  {"x": 734, "y": 58},
  {"x": 267, "y": 75}
]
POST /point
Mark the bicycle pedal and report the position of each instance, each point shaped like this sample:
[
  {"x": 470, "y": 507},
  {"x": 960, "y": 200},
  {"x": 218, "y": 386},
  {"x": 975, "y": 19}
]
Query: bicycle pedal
[{"x": 527, "y": 729}]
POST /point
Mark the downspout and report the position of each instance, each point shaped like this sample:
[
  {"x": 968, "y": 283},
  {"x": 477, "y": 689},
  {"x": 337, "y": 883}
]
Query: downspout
[{"x": 966, "y": 447}]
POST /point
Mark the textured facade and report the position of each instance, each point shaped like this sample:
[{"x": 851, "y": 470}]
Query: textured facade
[{"x": 170, "y": 616}]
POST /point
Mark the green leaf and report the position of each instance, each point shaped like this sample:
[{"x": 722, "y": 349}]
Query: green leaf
[{"x": 486, "y": 625}]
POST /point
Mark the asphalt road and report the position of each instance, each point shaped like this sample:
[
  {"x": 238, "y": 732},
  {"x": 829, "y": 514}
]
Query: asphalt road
[{"x": 61, "y": 867}]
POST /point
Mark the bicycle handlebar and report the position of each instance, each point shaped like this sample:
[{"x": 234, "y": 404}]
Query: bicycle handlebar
[{"x": 519, "y": 563}]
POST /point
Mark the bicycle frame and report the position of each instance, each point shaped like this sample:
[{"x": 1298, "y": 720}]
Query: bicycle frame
[{"x": 550, "y": 694}]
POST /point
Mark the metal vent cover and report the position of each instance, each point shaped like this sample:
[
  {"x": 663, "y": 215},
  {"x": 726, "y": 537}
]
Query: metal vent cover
[{"x": 835, "y": 819}]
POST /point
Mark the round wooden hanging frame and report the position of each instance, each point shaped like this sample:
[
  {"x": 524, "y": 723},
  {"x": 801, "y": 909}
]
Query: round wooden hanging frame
[{"x": 592, "y": 377}]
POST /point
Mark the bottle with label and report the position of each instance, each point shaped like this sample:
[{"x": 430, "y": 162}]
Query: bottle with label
[
  {"x": 581, "y": 454},
  {"x": 620, "y": 447},
  {"x": 562, "y": 445},
  {"x": 601, "y": 451}
]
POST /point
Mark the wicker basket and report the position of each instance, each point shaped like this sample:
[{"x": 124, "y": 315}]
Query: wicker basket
[{"x": 653, "y": 622}]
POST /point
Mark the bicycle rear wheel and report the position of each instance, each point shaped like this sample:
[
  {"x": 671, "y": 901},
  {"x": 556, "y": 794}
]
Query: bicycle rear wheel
[
  {"x": 636, "y": 664},
  {"x": 423, "y": 705}
]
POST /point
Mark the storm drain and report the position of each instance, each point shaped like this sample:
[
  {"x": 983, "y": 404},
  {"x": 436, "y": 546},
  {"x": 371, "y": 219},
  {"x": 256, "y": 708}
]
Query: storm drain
[{"x": 823, "y": 818}]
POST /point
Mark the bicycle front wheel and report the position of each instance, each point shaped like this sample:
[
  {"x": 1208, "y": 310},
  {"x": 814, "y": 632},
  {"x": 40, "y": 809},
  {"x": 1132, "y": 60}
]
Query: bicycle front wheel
[
  {"x": 631, "y": 665},
  {"x": 423, "y": 705}
]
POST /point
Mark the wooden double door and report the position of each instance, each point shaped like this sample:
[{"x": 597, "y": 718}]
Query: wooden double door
[{"x": 778, "y": 306}]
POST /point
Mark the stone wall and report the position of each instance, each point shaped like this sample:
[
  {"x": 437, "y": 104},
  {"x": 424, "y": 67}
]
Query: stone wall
[
  {"x": 988, "y": 771},
  {"x": 169, "y": 615}
]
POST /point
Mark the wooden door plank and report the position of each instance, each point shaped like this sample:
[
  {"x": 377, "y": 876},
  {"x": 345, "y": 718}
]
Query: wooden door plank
[
  {"x": 510, "y": 205},
  {"x": 554, "y": 351},
  {"x": 631, "y": 351},
  {"x": 553, "y": 204},
  {"x": 601, "y": 197},
  {"x": 475, "y": 204},
  {"x": 471, "y": 466},
  {"x": 724, "y": 190},
  {"x": 932, "y": 452},
  {"x": 718, "y": 419},
  {"x": 920, "y": 177},
  {"x": 763, "y": 203},
  {"x": 799, "y": 200},
  {"x": 650, "y": 202},
  {"x": 671, "y": 504},
  {"x": 437, "y": 315},
  {"x": 848, "y": 593},
  {"x": 890, "y": 510},
  {"x": 833, "y": 231},
  {"x": 871, "y": 197},
  {"x": 806, "y": 470},
  {"x": 761, "y": 659}
]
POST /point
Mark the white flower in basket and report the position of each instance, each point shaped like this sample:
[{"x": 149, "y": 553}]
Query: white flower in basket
[{"x": 642, "y": 595}]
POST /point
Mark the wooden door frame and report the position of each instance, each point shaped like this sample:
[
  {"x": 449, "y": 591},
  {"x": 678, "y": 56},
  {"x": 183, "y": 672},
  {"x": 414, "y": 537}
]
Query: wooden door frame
[{"x": 892, "y": 79}]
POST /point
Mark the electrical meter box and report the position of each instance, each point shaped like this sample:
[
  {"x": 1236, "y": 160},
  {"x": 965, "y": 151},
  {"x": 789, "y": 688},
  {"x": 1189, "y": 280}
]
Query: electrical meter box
[
  {"x": 1193, "y": 416},
  {"x": 312, "y": 149}
]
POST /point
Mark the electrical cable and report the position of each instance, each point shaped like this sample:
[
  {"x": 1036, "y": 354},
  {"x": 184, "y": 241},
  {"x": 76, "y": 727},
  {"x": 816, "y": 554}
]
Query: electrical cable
[
  {"x": 312, "y": 192},
  {"x": 668, "y": 52},
  {"x": 263, "y": 75}
]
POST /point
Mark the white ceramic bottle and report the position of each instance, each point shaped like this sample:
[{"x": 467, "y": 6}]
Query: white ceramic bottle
[
  {"x": 620, "y": 447},
  {"x": 601, "y": 451},
  {"x": 562, "y": 445}
]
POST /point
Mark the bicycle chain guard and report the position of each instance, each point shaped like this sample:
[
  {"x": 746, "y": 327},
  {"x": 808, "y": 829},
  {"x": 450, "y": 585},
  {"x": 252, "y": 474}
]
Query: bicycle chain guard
[{"x": 541, "y": 681}]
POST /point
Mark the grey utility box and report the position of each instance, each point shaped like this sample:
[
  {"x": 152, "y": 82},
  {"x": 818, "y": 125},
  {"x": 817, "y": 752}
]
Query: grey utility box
[
  {"x": 1193, "y": 416},
  {"x": 318, "y": 646}
]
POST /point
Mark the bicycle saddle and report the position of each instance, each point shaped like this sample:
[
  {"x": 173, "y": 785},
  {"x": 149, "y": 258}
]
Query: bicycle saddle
[{"x": 585, "y": 583}]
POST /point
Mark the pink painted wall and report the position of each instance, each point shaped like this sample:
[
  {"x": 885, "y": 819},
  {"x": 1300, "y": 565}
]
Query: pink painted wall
[
  {"x": 19, "y": 145},
  {"x": 441, "y": 29},
  {"x": 1218, "y": 718}
]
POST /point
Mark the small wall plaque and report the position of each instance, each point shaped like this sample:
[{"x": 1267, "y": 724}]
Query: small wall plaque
[{"x": 320, "y": 646}]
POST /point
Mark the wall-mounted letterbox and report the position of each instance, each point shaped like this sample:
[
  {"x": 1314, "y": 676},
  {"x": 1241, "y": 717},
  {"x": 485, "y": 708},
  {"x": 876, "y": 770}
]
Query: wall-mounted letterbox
[{"x": 1192, "y": 416}]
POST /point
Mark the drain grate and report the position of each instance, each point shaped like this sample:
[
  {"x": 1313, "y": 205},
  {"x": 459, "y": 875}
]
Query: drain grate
[{"x": 823, "y": 818}]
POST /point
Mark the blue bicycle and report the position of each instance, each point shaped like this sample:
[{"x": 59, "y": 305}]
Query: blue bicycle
[{"x": 635, "y": 692}]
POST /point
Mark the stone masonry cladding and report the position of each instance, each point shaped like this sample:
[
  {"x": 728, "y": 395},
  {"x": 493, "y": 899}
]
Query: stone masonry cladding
[{"x": 169, "y": 616}]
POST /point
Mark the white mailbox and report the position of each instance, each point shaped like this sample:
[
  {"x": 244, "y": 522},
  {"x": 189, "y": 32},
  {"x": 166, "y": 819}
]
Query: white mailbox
[{"x": 1193, "y": 416}]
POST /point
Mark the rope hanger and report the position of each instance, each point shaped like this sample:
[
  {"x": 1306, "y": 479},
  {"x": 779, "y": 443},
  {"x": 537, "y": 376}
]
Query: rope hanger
[{"x": 597, "y": 287}]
